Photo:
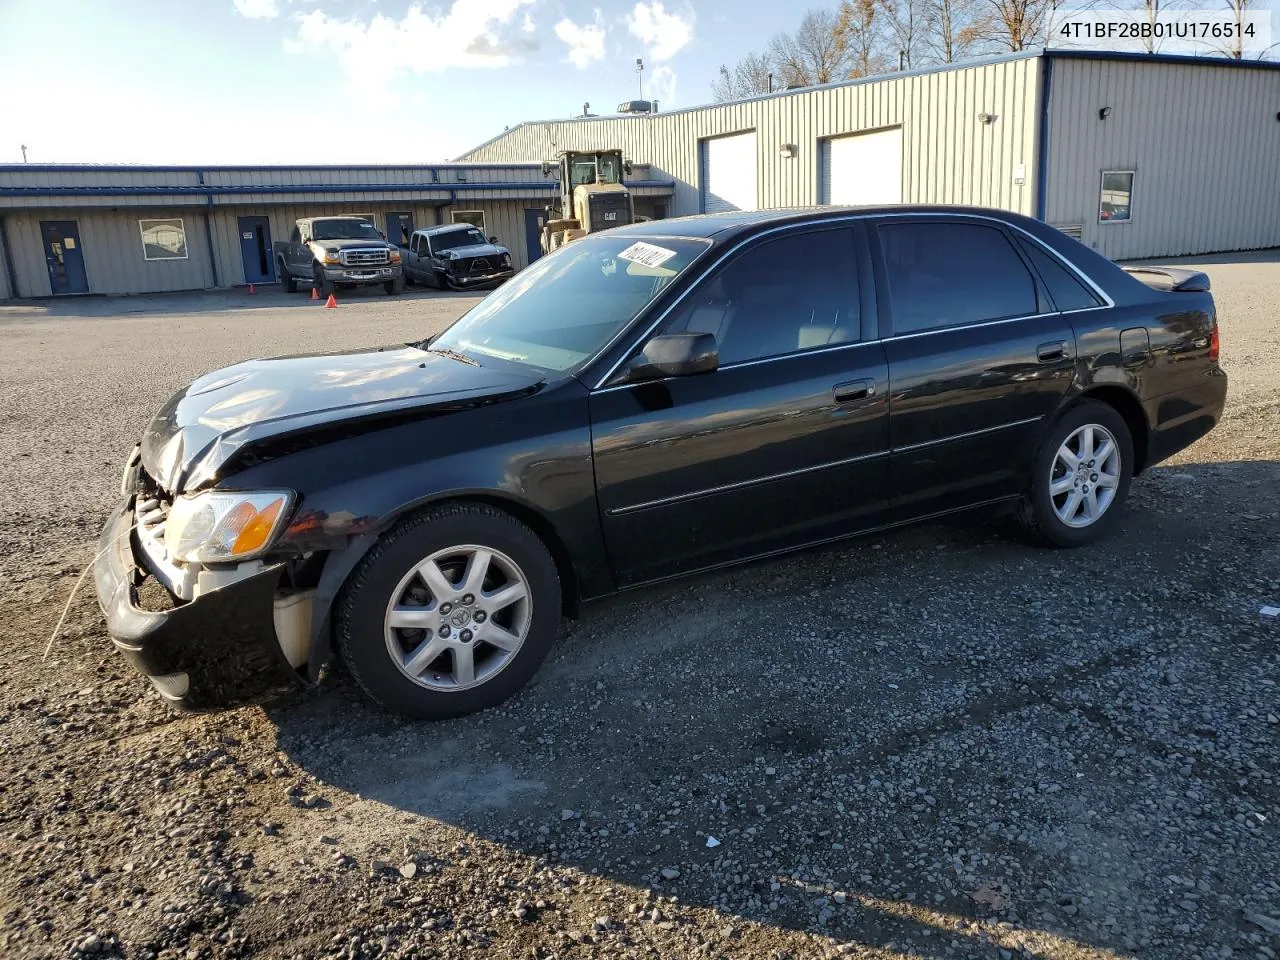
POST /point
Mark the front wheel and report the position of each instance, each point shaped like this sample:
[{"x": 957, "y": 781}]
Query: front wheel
[
  {"x": 1080, "y": 477},
  {"x": 451, "y": 612},
  {"x": 394, "y": 287},
  {"x": 318, "y": 280}
]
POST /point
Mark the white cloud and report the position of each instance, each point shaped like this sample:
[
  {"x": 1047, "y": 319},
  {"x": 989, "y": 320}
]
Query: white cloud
[
  {"x": 257, "y": 9},
  {"x": 470, "y": 34},
  {"x": 662, "y": 87},
  {"x": 665, "y": 34},
  {"x": 528, "y": 26},
  {"x": 584, "y": 40}
]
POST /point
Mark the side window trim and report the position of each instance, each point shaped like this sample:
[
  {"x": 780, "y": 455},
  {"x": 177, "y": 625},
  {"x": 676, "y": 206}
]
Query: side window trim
[{"x": 884, "y": 293}]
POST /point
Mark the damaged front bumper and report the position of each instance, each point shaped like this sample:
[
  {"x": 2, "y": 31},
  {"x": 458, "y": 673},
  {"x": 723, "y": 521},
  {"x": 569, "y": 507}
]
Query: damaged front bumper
[{"x": 218, "y": 649}]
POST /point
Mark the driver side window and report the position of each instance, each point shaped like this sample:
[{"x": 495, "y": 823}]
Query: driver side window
[{"x": 783, "y": 296}]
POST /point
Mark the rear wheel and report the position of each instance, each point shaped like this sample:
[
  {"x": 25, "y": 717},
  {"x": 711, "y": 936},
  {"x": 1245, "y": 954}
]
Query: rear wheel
[
  {"x": 287, "y": 282},
  {"x": 451, "y": 612},
  {"x": 1080, "y": 477}
]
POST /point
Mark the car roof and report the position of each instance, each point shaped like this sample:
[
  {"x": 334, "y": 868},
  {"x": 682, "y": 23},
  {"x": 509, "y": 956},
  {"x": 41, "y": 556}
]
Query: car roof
[
  {"x": 735, "y": 222},
  {"x": 447, "y": 228}
]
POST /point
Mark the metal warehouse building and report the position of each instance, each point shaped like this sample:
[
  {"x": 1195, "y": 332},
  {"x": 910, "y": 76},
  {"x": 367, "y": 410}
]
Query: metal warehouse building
[
  {"x": 1139, "y": 156},
  {"x": 68, "y": 229}
]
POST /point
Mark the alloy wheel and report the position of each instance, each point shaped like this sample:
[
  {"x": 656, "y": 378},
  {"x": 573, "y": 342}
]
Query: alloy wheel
[
  {"x": 1085, "y": 475},
  {"x": 458, "y": 617}
]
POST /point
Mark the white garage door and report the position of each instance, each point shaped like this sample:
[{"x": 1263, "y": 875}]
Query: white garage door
[
  {"x": 729, "y": 173},
  {"x": 863, "y": 168}
]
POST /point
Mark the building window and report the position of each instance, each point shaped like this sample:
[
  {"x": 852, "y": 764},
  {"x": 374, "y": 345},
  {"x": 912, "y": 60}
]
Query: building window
[
  {"x": 163, "y": 239},
  {"x": 473, "y": 217},
  {"x": 1116, "y": 203}
]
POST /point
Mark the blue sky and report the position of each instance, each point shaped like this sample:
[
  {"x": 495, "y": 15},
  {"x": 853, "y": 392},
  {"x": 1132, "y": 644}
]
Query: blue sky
[{"x": 381, "y": 81}]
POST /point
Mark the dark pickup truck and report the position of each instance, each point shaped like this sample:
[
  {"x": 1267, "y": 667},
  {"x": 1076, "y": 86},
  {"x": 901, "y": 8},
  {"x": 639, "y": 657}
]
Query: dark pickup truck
[{"x": 332, "y": 252}]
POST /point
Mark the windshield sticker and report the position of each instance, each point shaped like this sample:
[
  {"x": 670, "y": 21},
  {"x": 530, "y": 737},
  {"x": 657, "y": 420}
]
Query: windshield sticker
[{"x": 647, "y": 254}]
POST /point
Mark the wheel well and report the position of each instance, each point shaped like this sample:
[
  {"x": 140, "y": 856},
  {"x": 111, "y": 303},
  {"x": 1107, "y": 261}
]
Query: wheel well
[
  {"x": 1128, "y": 406},
  {"x": 545, "y": 531}
]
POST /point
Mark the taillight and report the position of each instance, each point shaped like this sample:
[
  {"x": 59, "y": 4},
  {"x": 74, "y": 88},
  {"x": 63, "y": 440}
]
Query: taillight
[{"x": 1213, "y": 343}]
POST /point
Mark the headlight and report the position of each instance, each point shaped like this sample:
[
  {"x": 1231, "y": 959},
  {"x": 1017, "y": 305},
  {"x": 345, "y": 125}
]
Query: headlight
[
  {"x": 395, "y": 256},
  {"x": 506, "y": 259},
  {"x": 331, "y": 258},
  {"x": 217, "y": 527}
]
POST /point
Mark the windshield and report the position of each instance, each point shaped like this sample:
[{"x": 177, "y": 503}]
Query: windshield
[
  {"x": 457, "y": 238},
  {"x": 563, "y": 310},
  {"x": 344, "y": 230}
]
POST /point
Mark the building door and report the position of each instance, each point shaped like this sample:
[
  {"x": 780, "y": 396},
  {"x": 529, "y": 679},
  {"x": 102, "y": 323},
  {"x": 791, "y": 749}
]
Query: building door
[
  {"x": 399, "y": 228},
  {"x": 863, "y": 168},
  {"x": 728, "y": 169},
  {"x": 533, "y": 232},
  {"x": 255, "y": 250},
  {"x": 64, "y": 256}
]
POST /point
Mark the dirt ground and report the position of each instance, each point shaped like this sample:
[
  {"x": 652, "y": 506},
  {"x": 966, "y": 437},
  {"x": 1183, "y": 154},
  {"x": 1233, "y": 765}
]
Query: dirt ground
[{"x": 938, "y": 743}]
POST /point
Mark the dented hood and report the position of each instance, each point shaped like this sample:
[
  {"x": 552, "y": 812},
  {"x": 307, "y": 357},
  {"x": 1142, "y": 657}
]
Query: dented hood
[{"x": 221, "y": 413}]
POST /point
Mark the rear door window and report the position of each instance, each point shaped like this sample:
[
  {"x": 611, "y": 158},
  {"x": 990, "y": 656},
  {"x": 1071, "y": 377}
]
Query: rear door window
[
  {"x": 953, "y": 273},
  {"x": 1066, "y": 289}
]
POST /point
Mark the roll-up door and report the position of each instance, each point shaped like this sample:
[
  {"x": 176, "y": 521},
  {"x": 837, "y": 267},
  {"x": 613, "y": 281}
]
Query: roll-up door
[
  {"x": 729, "y": 173},
  {"x": 863, "y": 168}
]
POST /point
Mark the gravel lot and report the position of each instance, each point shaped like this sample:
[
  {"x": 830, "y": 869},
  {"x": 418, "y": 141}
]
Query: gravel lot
[{"x": 939, "y": 743}]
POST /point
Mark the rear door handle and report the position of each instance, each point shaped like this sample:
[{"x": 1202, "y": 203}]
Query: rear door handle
[
  {"x": 1049, "y": 352},
  {"x": 853, "y": 390}
]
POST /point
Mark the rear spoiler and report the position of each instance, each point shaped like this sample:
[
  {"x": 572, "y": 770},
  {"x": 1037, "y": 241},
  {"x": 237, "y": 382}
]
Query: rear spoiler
[{"x": 1170, "y": 278}]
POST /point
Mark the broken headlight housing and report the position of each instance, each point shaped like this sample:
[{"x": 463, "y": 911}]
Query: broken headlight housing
[{"x": 225, "y": 526}]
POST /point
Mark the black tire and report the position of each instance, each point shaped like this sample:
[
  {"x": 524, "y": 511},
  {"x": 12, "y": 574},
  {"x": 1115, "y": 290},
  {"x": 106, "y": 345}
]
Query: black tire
[
  {"x": 394, "y": 287},
  {"x": 320, "y": 281},
  {"x": 1037, "y": 514},
  {"x": 408, "y": 280},
  {"x": 360, "y": 614},
  {"x": 287, "y": 282}
]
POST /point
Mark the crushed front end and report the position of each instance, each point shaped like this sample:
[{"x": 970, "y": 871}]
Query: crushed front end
[{"x": 205, "y": 634}]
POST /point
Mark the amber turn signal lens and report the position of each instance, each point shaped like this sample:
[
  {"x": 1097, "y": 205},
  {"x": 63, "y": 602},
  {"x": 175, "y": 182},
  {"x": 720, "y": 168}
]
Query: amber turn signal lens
[{"x": 257, "y": 527}]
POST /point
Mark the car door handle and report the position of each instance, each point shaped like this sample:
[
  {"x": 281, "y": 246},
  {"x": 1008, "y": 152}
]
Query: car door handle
[
  {"x": 1049, "y": 352},
  {"x": 853, "y": 390}
]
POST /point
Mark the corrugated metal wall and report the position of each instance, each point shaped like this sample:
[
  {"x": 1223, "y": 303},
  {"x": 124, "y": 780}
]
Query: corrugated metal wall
[
  {"x": 5, "y": 292},
  {"x": 948, "y": 156},
  {"x": 111, "y": 243},
  {"x": 1204, "y": 143}
]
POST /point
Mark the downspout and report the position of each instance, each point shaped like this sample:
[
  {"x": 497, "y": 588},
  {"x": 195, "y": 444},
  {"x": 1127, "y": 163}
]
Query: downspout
[
  {"x": 208, "y": 230},
  {"x": 1042, "y": 144},
  {"x": 8, "y": 262}
]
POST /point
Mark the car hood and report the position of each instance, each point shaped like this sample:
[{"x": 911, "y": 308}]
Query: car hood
[
  {"x": 476, "y": 250},
  {"x": 223, "y": 412},
  {"x": 348, "y": 243}
]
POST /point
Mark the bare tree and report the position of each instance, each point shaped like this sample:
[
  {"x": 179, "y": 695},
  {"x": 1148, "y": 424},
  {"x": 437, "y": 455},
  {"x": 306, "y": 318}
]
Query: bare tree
[
  {"x": 749, "y": 77},
  {"x": 813, "y": 54},
  {"x": 953, "y": 28},
  {"x": 906, "y": 22},
  {"x": 1017, "y": 24},
  {"x": 860, "y": 30}
]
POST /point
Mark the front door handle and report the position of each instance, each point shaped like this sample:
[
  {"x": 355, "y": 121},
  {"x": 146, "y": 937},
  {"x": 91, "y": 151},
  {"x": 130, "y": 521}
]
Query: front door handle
[
  {"x": 853, "y": 390},
  {"x": 1050, "y": 352}
]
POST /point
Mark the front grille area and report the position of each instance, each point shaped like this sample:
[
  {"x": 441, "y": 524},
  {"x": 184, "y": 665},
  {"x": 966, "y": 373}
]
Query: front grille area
[
  {"x": 150, "y": 514},
  {"x": 476, "y": 266},
  {"x": 366, "y": 258}
]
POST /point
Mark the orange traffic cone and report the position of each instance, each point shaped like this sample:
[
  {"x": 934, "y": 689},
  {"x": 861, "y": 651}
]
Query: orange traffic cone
[
  {"x": 330, "y": 303},
  {"x": 315, "y": 294},
  {"x": 252, "y": 289}
]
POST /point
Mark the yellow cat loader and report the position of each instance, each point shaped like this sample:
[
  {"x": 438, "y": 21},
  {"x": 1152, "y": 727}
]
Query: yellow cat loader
[{"x": 592, "y": 196}]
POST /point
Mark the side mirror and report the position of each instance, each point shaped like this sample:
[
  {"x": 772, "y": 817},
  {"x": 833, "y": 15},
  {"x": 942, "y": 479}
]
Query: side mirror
[
  {"x": 626, "y": 167},
  {"x": 674, "y": 355},
  {"x": 493, "y": 239}
]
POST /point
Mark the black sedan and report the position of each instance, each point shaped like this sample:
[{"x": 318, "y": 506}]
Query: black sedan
[{"x": 644, "y": 403}]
